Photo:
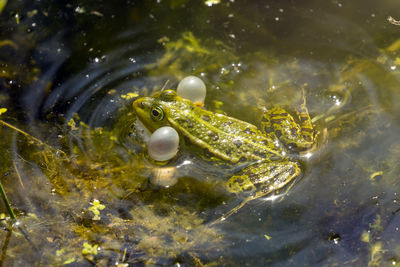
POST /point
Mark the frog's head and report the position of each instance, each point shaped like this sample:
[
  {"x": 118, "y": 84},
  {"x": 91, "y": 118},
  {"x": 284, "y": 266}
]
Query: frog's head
[{"x": 157, "y": 110}]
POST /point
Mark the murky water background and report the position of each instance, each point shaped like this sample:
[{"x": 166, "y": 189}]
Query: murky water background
[{"x": 82, "y": 193}]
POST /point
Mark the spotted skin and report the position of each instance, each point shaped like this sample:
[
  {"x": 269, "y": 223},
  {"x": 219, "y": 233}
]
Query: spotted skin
[
  {"x": 227, "y": 138},
  {"x": 273, "y": 176},
  {"x": 300, "y": 136},
  {"x": 217, "y": 137}
]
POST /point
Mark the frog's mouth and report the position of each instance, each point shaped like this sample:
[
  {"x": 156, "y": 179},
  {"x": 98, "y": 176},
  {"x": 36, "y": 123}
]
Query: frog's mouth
[
  {"x": 142, "y": 109},
  {"x": 139, "y": 105}
]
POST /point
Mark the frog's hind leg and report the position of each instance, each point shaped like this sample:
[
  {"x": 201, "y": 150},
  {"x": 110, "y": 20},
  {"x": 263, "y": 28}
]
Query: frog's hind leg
[
  {"x": 295, "y": 135},
  {"x": 261, "y": 179}
]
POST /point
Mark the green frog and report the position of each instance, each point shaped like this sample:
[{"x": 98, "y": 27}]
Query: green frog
[{"x": 264, "y": 153}]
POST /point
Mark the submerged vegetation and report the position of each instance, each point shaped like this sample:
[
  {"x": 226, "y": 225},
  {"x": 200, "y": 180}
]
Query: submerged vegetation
[{"x": 123, "y": 225}]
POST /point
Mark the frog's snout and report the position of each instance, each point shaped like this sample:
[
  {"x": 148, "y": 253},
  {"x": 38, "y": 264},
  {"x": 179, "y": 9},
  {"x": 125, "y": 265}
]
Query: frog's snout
[{"x": 139, "y": 104}]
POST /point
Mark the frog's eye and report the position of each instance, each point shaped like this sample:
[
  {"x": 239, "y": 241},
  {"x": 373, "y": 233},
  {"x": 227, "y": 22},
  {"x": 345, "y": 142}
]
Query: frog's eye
[
  {"x": 157, "y": 113},
  {"x": 168, "y": 95}
]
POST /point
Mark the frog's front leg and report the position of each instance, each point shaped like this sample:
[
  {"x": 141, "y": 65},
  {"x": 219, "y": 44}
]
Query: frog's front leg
[
  {"x": 295, "y": 135},
  {"x": 261, "y": 179}
]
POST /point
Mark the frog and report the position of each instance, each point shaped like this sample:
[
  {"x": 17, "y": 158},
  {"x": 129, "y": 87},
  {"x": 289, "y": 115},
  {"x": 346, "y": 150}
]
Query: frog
[{"x": 265, "y": 155}]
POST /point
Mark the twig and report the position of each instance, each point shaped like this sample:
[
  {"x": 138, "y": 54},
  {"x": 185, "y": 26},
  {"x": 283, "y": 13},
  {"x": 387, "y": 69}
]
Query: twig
[
  {"x": 5, "y": 246},
  {"x": 8, "y": 206},
  {"x": 22, "y": 132},
  {"x": 18, "y": 174},
  {"x": 40, "y": 142},
  {"x": 13, "y": 218},
  {"x": 165, "y": 85}
]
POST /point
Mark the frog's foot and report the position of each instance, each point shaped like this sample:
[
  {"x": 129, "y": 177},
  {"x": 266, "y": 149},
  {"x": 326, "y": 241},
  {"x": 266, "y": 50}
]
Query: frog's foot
[
  {"x": 307, "y": 133},
  {"x": 261, "y": 179},
  {"x": 296, "y": 136},
  {"x": 315, "y": 152}
]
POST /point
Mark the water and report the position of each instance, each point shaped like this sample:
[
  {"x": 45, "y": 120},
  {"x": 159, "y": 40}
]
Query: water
[{"x": 83, "y": 196}]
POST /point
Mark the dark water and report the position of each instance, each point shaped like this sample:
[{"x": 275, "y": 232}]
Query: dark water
[{"x": 68, "y": 77}]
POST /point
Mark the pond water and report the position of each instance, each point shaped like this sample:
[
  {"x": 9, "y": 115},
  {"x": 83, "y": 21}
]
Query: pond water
[{"x": 75, "y": 166}]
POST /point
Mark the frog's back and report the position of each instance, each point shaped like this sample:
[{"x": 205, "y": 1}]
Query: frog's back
[{"x": 225, "y": 137}]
